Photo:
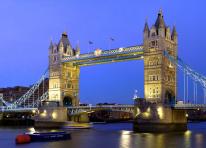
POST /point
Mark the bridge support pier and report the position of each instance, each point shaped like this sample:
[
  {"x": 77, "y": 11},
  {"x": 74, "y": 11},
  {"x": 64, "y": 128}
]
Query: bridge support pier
[
  {"x": 51, "y": 117},
  {"x": 152, "y": 117},
  {"x": 80, "y": 118}
]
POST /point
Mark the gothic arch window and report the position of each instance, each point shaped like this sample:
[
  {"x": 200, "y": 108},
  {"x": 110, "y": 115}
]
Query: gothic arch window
[
  {"x": 154, "y": 61},
  {"x": 55, "y": 50},
  {"x": 69, "y": 84},
  {"x": 153, "y": 34},
  {"x": 158, "y": 61},
  {"x": 153, "y": 43}
]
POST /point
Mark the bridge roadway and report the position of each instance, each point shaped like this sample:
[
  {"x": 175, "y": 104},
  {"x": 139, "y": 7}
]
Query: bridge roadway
[
  {"x": 80, "y": 109},
  {"x": 106, "y": 56},
  {"x": 75, "y": 109},
  {"x": 18, "y": 110},
  {"x": 126, "y": 108},
  {"x": 189, "y": 106}
]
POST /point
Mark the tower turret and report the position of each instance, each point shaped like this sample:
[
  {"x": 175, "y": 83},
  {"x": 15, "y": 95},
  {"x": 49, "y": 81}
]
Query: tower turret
[
  {"x": 160, "y": 24},
  {"x": 146, "y": 30},
  {"x": 77, "y": 50},
  {"x": 51, "y": 47},
  {"x": 168, "y": 34},
  {"x": 174, "y": 34}
]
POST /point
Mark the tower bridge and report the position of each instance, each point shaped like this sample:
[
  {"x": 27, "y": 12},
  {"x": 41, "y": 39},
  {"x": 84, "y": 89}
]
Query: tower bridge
[
  {"x": 160, "y": 78},
  {"x": 159, "y": 52}
]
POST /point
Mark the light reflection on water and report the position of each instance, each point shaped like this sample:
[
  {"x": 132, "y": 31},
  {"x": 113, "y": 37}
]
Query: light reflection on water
[
  {"x": 125, "y": 139},
  {"x": 187, "y": 138},
  {"x": 116, "y": 136}
]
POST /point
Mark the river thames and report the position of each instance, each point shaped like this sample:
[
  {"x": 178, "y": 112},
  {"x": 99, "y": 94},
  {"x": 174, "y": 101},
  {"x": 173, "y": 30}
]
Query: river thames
[{"x": 119, "y": 135}]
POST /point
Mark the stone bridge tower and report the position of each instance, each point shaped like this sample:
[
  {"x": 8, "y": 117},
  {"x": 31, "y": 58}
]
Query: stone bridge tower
[
  {"x": 63, "y": 77},
  {"x": 159, "y": 73}
]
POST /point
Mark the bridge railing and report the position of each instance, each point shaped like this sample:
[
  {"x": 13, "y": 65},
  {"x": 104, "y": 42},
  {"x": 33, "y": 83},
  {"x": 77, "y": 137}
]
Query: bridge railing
[
  {"x": 103, "y": 53},
  {"x": 194, "y": 106},
  {"x": 197, "y": 77},
  {"x": 100, "y": 106},
  {"x": 80, "y": 109}
]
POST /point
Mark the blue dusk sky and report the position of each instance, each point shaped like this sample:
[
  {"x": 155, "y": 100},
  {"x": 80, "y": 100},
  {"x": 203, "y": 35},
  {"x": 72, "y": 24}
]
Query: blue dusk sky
[{"x": 26, "y": 28}]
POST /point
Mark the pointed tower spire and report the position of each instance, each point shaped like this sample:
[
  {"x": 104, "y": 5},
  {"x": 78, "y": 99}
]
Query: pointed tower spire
[
  {"x": 64, "y": 39},
  {"x": 50, "y": 45},
  {"x": 146, "y": 30},
  {"x": 77, "y": 49},
  {"x": 160, "y": 23},
  {"x": 174, "y": 32},
  {"x": 146, "y": 27}
]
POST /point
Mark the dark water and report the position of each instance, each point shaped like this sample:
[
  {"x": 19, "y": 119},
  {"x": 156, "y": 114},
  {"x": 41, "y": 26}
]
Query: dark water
[{"x": 115, "y": 136}]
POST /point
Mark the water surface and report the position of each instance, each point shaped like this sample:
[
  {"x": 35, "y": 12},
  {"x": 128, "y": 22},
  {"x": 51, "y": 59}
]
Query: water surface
[{"x": 118, "y": 135}]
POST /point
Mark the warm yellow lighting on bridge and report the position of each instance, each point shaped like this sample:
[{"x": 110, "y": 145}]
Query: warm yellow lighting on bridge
[
  {"x": 33, "y": 111},
  {"x": 148, "y": 109},
  {"x": 138, "y": 111},
  {"x": 54, "y": 115},
  {"x": 97, "y": 52},
  {"x": 120, "y": 49},
  {"x": 186, "y": 115},
  {"x": 146, "y": 115},
  {"x": 170, "y": 66},
  {"x": 160, "y": 112},
  {"x": 44, "y": 114}
]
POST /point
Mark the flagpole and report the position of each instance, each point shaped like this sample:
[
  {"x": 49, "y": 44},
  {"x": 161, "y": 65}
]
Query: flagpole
[
  {"x": 88, "y": 47},
  {"x": 109, "y": 44}
]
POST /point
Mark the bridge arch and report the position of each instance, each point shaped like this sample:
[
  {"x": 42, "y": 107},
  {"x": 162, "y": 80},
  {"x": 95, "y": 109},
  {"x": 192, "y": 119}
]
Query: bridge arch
[{"x": 67, "y": 101}]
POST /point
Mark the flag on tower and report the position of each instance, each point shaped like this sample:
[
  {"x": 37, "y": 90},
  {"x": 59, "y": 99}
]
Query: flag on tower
[
  {"x": 112, "y": 39},
  {"x": 90, "y": 42}
]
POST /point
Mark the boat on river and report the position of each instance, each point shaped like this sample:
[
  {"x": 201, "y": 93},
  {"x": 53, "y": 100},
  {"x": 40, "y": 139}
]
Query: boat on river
[
  {"x": 42, "y": 137},
  {"x": 49, "y": 136}
]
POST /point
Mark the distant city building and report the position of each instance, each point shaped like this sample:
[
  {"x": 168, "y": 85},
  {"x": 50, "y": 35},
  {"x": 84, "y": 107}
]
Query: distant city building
[{"x": 11, "y": 94}]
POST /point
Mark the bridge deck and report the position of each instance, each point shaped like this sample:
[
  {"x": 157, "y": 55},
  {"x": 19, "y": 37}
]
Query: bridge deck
[
  {"x": 189, "y": 106},
  {"x": 18, "y": 109},
  {"x": 118, "y": 107},
  {"x": 106, "y": 56}
]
